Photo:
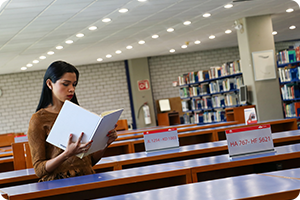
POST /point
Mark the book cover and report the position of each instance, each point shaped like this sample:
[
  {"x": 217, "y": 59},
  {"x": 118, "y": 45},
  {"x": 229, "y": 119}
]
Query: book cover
[{"x": 73, "y": 119}]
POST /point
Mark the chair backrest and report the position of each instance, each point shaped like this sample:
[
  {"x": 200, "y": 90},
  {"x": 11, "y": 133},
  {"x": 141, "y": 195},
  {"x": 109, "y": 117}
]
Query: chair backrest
[
  {"x": 22, "y": 157},
  {"x": 122, "y": 125},
  {"x": 6, "y": 139}
]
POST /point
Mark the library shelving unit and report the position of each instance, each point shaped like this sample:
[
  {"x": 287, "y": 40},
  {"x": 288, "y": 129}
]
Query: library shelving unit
[
  {"x": 205, "y": 94},
  {"x": 288, "y": 63}
]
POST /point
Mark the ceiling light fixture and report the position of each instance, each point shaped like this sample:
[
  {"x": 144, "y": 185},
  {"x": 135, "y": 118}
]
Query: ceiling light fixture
[
  {"x": 172, "y": 50},
  {"x": 228, "y": 6},
  {"x": 142, "y": 0},
  {"x": 184, "y": 46},
  {"x": 187, "y": 23},
  {"x": 42, "y": 57},
  {"x": 142, "y": 42},
  {"x": 59, "y": 47},
  {"x": 129, "y": 47},
  {"x": 99, "y": 59},
  {"x": 50, "y": 52},
  {"x": 23, "y": 68},
  {"x": 69, "y": 41},
  {"x": 29, "y": 65},
  {"x": 80, "y": 35},
  {"x": 298, "y": 2},
  {"x": 35, "y": 61},
  {"x": 289, "y": 10},
  {"x": 292, "y": 27},
  {"x": 274, "y": 33},
  {"x": 170, "y": 30},
  {"x": 123, "y": 10},
  {"x": 108, "y": 56},
  {"x": 118, "y": 51},
  {"x": 155, "y": 36},
  {"x": 212, "y": 37},
  {"x": 197, "y": 42},
  {"x": 228, "y": 31},
  {"x": 106, "y": 20},
  {"x": 92, "y": 28},
  {"x": 207, "y": 15}
]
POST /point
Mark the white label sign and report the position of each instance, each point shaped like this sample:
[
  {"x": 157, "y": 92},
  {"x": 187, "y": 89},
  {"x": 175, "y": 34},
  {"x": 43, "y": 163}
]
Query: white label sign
[
  {"x": 250, "y": 116},
  {"x": 161, "y": 139},
  {"x": 253, "y": 139}
]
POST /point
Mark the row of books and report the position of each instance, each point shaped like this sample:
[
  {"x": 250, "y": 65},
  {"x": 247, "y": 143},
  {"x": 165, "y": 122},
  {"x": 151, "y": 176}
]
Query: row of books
[
  {"x": 204, "y": 117},
  {"x": 289, "y": 74},
  {"x": 292, "y": 109},
  {"x": 226, "y": 69},
  {"x": 290, "y": 91},
  {"x": 217, "y": 101},
  {"x": 288, "y": 56},
  {"x": 222, "y": 85}
]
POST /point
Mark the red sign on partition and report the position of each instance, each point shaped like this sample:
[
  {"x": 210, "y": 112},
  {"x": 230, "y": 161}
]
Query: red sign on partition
[{"x": 143, "y": 85}]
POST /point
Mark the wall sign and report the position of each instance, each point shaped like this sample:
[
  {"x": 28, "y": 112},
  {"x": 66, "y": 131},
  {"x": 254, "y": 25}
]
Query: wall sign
[
  {"x": 161, "y": 139},
  {"x": 249, "y": 140},
  {"x": 143, "y": 85},
  {"x": 264, "y": 65}
]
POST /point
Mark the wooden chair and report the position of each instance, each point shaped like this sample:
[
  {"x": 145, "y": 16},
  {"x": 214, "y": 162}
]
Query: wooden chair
[
  {"x": 22, "y": 156},
  {"x": 122, "y": 125},
  {"x": 6, "y": 139}
]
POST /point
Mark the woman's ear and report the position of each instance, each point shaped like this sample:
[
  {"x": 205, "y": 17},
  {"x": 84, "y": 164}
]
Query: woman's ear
[{"x": 49, "y": 84}]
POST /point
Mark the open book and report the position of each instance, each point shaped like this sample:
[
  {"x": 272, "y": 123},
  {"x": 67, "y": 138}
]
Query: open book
[{"x": 73, "y": 119}]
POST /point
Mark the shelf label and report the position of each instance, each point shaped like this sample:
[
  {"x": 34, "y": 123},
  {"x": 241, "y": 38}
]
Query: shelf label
[
  {"x": 253, "y": 139},
  {"x": 161, "y": 139}
]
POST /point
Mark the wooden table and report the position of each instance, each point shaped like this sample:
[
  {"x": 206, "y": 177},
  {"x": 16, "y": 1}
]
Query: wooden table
[
  {"x": 144, "y": 159},
  {"x": 241, "y": 187}
]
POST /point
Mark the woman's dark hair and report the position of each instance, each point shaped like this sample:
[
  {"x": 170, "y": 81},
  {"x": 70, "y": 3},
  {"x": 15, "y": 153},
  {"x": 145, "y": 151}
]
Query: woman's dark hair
[{"x": 54, "y": 72}]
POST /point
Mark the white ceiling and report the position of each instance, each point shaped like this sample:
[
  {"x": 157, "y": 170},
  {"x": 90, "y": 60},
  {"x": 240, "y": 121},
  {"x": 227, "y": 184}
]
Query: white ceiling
[{"x": 31, "y": 28}]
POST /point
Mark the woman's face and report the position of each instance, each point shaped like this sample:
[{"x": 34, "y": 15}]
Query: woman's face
[{"x": 64, "y": 88}]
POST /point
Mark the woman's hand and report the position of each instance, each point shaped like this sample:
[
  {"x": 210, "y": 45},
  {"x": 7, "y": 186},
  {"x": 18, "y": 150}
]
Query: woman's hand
[
  {"x": 112, "y": 135},
  {"x": 77, "y": 147}
]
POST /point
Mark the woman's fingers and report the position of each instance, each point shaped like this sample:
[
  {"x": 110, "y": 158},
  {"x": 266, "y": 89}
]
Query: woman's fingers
[{"x": 79, "y": 139}]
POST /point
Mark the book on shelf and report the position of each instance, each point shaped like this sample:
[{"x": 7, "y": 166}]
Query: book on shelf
[
  {"x": 287, "y": 56},
  {"x": 73, "y": 119}
]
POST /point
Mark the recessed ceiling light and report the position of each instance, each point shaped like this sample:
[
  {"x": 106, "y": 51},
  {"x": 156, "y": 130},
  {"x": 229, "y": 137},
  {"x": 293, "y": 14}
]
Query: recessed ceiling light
[
  {"x": 29, "y": 65},
  {"x": 42, "y": 57},
  {"x": 142, "y": 42},
  {"x": 129, "y": 47},
  {"x": 292, "y": 27},
  {"x": 142, "y": 0},
  {"x": 155, "y": 36},
  {"x": 108, "y": 56},
  {"x": 228, "y": 6},
  {"x": 184, "y": 46},
  {"x": 80, "y": 35},
  {"x": 274, "y": 33},
  {"x": 92, "y": 28},
  {"x": 59, "y": 47},
  {"x": 172, "y": 50},
  {"x": 123, "y": 10},
  {"x": 228, "y": 31},
  {"x": 106, "y": 20},
  {"x": 99, "y": 59},
  {"x": 23, "y": 68},
  {"x": 289, "y": 10},
  {"x": 118, "y": 51},
  {"x": 212, "y": 37},
  {"x": 69, "y": 41},
  {"x": 35, "y": 61},
  {"x": 50, "y": 52},
  {"x": 197, "y": 42},
  {"x": 207, "y": 15},
  {"x": 187, "y": 22},
  {"x": 170, "y": 29}
]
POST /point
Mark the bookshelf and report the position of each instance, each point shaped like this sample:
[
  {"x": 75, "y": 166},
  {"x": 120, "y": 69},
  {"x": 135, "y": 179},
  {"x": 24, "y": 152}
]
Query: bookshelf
[
  {"x": 288, "y": 63},
  {"x": 205, "y": 94}
]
